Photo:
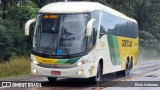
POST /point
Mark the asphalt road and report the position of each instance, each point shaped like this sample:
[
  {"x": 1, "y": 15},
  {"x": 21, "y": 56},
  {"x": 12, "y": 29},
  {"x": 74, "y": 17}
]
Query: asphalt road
[{"x": 144, "y": 71}]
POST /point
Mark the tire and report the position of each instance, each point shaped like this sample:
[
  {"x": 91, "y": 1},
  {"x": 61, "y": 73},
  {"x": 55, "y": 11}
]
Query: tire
[
  {"x": 125, "y": 72},
  {"x": 52, "y": 79},
  {"x": 97, "y": 78}
]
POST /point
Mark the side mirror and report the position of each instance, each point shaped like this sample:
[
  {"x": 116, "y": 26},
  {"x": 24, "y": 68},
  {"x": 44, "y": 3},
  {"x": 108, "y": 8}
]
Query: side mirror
[
  {"x": 90, "y": 27},
  {"x": 27, "y": 26}
]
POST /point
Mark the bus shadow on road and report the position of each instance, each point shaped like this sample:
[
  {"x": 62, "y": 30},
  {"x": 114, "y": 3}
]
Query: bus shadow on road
[{"x": 74, "y": 82}]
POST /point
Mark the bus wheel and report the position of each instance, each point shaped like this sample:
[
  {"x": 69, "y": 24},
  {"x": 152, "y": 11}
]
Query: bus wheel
[
  {"x": 52, "y": 79},
  {"x": 127, "y": 70},
  {"x": 99, "y": 74}
]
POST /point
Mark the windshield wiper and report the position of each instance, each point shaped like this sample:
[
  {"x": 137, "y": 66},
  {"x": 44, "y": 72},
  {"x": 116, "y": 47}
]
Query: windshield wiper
[
  {"x": 44, "y": 51},
  {"x": 66, "y": 50}
]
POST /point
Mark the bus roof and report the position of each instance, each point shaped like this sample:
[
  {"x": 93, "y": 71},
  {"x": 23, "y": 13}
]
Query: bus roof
[{"x": 80, "y": 7}]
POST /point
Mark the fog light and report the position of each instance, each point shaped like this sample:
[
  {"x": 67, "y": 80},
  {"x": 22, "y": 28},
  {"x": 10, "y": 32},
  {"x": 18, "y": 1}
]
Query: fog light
[
  {"x": 33, "y": 59},
  {"x": 79, "y": 72},
  {"x": 35, "y": 71}
]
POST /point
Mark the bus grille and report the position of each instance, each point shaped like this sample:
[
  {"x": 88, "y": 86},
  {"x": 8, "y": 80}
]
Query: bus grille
[{"x": 58, "y": 66}]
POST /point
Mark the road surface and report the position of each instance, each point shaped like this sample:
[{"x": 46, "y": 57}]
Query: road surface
[{"x": 144, "y": 71}]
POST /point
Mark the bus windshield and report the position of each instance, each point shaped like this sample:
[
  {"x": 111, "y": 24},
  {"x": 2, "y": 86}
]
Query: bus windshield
[{"x": 60, "y": 34}]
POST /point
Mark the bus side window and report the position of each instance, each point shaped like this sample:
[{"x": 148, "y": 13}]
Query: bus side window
[
  {"x": 128, "y": 29},
  {"x": 111, "y": 24},
  {"x": 102, "y": 31},
  {"x": 135, "y": 29},
  {"x": 93, "y": 37},
  {"x": 104, "y": 24}
]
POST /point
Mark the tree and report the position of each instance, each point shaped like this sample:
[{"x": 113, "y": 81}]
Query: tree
[
  {"x": 22, "y": 13},
  {"x": 41, "y": 3},
  {"x": 12, "y": 39}
]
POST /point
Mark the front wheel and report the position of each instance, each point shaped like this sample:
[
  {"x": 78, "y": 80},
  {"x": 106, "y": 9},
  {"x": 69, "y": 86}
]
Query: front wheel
[
  {"x": 52, "y": 79},
  {"x": 98, "y": 76}
]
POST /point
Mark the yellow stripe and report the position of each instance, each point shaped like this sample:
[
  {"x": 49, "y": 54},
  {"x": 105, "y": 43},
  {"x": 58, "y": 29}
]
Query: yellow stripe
[{"x": 45, "y": 60}]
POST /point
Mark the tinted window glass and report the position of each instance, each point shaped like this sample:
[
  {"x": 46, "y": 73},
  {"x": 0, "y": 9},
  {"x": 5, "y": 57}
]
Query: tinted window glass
[
  {"x": 93, "y": 37},
  {"x": 104, "y": 24},
  {"x": 111, "y": 24}
]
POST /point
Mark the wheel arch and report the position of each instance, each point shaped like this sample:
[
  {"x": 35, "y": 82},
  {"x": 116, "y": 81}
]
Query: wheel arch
[{"x": 101, "y": 63}]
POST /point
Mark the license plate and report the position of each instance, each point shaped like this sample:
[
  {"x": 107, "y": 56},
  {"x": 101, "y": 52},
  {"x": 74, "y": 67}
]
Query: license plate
[{"x": 55, "y": 72}]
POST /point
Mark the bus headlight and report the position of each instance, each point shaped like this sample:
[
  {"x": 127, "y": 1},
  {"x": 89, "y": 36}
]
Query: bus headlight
[
  {"x": 81, "y": 62},
  {"x": 34, "y": 60}
]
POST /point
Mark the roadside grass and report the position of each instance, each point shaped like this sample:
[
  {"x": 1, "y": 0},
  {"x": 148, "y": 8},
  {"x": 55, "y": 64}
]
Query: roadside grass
[{"x": 18, "y": 66}]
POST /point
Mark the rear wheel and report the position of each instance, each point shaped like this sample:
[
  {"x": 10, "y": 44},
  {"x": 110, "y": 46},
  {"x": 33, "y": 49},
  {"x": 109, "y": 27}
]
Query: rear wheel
[
  {"x": 125, "y": 72},
  {"x": 52, "y": 79},
  {"x": 128, "y": 68}
]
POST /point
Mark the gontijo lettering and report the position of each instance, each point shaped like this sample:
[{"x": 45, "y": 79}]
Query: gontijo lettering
[{"x": 126, "y": 43}]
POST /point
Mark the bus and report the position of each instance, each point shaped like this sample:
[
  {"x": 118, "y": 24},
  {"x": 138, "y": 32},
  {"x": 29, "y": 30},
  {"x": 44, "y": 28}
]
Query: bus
[{"x": 82, "y": 40}]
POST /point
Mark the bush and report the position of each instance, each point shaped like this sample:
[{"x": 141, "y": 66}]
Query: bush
[
  {"x": 149, "y": 46},
  {"x": 147, "y": 53},
  {"x": 16, "y": 66},
  {"x": 11, "y": 40}
]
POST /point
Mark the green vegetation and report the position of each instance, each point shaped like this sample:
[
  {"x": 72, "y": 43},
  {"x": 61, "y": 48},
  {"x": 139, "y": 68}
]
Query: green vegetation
[
  {"x": 12, "y": 19},
  {"x": 15, "y": 67}
]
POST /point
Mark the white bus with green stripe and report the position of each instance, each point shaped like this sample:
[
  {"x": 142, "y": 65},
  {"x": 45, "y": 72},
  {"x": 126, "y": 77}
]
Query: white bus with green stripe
[{"x": 82, "y": 40}]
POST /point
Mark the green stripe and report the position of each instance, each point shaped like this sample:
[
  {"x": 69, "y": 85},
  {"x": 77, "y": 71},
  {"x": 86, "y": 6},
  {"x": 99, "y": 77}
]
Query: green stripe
[
  {"x": 62, "y": 61},
  {"x": 73, "y": 60},
  {"x": 114, "y": 49},
  {"x": 68, "y": 61}
]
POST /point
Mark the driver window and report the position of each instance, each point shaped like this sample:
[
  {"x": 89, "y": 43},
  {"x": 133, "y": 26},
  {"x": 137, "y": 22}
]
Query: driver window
[{"x": 93, "y": 37}]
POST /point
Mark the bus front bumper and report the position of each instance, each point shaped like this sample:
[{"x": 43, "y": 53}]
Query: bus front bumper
[{"x": 76, "y": 72}]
